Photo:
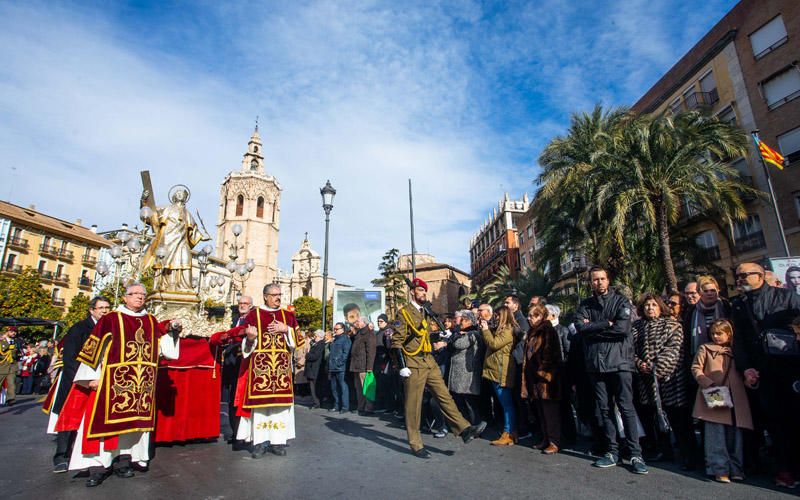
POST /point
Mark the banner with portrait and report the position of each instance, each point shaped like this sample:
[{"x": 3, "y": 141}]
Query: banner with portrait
[
  {"x": 787, "y": 270},
  {"x": 350, "y": 303}
]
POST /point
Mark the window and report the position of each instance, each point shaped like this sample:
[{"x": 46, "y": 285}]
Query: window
[
  {"x": 56, "y": 293},
  {"x": 690, "y": 98},
  {"x": 41, "y": 265},
  {"x": 708, "y": 242},
  {"x": 255, "y": 148},
  {"x": 781, "y": 88},
  {"x": 727, "y": 115},
  {"x": 741, "y": 166},
  {"x": 521, "y": 239},
  {"x": 768, "y": 37},
  {"x": 796, "y": 203},
  {"x": 523, "y": 261},
  {"x": 789, "y": 144},
  {"x": 239, "y": 205},
  {"x": 530, "y": 231},
  {"x": 59, "y": 269},
  {"x": 260, "y": 207},
  {"x": 675, "y": 107},
  {"x": 10, "y": 262},
  {"x": 747, "y": 234},
  {"x": 707, "y": 82},
  {"x": 253, "y": 165}
]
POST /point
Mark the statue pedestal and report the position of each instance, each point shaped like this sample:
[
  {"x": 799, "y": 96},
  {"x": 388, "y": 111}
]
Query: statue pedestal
[{"x": 185, "y": 307}]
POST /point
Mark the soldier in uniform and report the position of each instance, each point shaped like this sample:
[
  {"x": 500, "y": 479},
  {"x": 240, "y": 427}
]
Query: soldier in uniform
[
  {"x": 8, "y": 364},
  {"x": 411, "y": 347}
]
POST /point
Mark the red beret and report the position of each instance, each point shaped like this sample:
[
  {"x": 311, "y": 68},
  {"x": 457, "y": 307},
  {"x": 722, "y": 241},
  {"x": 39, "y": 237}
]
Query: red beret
[{"x": 417, "y": 282}]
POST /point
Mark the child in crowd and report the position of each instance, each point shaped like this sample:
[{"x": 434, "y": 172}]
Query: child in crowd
[{"x": 713, "y": 367}]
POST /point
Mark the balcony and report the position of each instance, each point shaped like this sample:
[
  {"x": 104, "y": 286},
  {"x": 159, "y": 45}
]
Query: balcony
[
  {"x": 61, "y": 279},
  {"x": 85, "y": 283},
  {"x": 712, "y": 253},
  {"x": 59, "y": 302},
  {"x": 46, "y": 275},
  {"x": 699, "y": 99},
  {"x": 66, "y": 255},
  {"x": 18, "y": 244},
  {"x": 49, "y": 251},
  {"x": 13, "y": 269},
  {"x": 750, "y": 242},
  {"x": 89, "y": 261}
]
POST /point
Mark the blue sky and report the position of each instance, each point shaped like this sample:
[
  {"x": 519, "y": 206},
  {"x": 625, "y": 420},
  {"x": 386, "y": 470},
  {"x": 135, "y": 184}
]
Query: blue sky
[{"x": 460, "y": 96}]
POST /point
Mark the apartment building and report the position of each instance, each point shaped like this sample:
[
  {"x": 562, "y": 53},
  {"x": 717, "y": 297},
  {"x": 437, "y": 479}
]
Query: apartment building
[
  {"x": 745, "y": 71},
  {"x": 65, "y": 254}
]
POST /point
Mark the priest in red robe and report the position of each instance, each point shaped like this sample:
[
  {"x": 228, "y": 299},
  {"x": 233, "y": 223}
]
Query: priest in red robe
[
  {"x": 112, "y": 401},
  {"x": 264, "y": 394}
]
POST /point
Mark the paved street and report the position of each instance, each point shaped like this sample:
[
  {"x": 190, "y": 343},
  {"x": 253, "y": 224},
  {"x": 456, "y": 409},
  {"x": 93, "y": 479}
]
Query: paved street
[{"x": 345, "y": 457}]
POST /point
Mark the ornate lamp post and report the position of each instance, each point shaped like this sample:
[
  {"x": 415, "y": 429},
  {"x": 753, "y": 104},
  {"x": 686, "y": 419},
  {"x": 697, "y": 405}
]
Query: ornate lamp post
[
  {"x": 239, "y": 272},
  {"x": 197, "y": 281},
  {"x": 327, "y": 193}
]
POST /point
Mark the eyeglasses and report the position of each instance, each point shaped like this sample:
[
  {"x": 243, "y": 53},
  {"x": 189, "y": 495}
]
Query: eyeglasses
[
  {"x": 672, "y": 303},
  {"x": 136, "y": 294},
  {"x": 273, "y": 295},
  {"x": 744, "y": 276}
]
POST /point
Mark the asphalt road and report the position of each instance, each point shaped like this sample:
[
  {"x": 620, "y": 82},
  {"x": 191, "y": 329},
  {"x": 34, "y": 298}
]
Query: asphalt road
[{"x": 348, "y": 457}]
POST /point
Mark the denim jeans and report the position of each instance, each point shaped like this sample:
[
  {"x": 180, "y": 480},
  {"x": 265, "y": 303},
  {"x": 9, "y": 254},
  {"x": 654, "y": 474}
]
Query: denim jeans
[
  {"x": 341, "y": 394},
  {"x": 507, "y": 402}
]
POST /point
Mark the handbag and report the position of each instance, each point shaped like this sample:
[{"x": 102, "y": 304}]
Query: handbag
[
  {"x": 780, "y": 342},
  {"x": 369, "y": 386},
  {"x": 719, "y": 396},
  {"x": 661, "y": 416},
  {"x": 775, "y": 341}
]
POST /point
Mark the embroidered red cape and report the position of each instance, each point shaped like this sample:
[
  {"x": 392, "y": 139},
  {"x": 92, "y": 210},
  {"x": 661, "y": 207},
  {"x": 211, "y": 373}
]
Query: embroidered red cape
[
  {"x": 124, "y": 402},
  {"x": 265, "y": 377}
]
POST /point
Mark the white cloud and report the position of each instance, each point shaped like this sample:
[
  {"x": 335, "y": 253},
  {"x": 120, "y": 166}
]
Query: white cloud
[{"x": 366, "y": 94}]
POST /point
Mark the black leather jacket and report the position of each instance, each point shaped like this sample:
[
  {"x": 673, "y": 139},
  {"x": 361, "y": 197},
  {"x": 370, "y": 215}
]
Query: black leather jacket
[
  {"x": 772, "y": 308},
  {"x": 606, "y": 347}
]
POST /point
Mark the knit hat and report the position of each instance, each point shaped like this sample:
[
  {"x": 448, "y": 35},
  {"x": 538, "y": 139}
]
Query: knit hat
[{"x": 383, "y": 317}]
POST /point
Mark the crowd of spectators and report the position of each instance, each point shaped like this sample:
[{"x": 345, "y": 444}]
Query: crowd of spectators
[{"x": 689, "y": 376}]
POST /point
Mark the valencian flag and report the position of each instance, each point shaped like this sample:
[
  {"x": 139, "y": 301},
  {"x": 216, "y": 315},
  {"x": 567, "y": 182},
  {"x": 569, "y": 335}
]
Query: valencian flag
[{"x": 768, "y": 154}]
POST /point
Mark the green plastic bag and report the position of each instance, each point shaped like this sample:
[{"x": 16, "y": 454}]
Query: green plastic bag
[{"x": 370, "y": 386}]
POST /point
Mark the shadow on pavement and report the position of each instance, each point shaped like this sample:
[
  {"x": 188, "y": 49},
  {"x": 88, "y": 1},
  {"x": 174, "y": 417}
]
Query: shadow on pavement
[{"x": 367, "y": 431}]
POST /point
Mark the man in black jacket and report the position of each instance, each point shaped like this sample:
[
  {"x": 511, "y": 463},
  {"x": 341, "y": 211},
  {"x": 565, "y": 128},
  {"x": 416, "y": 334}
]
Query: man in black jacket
[
  {"x": 604, "y": 324},
  {"x": 314, "y": 360},
  {"x": 760, "y": 308},
  {"x": 73, "y": 343}
]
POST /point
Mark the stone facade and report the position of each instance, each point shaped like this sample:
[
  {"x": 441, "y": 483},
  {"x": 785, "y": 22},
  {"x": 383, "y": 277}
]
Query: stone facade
[
  {"x": 446, "y": 284},
  {"x": 496, "y": 242},
  {"x": 251, "y": 198},
  {"x": 306, "y": 277}
]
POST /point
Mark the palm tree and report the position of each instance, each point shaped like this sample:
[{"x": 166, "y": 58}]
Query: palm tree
[
  {"x": 650, "y": 167},
  {"x": 563, "y": 221}
]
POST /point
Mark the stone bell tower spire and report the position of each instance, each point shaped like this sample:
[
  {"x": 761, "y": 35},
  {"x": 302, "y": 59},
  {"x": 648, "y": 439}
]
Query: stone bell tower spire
[
  {"x": 250, "y": 202},
  {"x": 253, "y": 160}
]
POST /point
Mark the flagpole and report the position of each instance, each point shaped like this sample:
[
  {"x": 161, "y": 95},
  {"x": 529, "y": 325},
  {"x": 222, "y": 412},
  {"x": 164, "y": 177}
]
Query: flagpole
[
  {"x": 413, "y": 247},
  {"x": 772, "y": 196}
]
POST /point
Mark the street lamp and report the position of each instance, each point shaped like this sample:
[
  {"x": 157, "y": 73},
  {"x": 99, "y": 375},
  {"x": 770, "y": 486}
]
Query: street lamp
[
  {"x": 239, "y": 272},
  {"x": 327, "y": 193}
]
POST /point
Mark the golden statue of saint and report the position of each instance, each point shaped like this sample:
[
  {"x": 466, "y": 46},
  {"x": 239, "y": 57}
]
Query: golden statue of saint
[{"x": 176, "y": 233}]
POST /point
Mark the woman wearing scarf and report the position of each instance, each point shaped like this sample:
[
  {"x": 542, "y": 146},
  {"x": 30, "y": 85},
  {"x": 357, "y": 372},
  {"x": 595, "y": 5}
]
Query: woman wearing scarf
[{"x": 658, "y": 347}]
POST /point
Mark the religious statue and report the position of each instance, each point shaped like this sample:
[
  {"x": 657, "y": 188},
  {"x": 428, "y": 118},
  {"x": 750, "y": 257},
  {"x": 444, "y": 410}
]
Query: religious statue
[{"x": 176, "y": 233}]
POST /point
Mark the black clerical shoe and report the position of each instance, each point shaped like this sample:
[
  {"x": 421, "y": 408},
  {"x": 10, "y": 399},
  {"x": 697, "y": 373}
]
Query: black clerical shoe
[
  {"x": 61, "y": 468},
  {"x": 258, "y": 451},
  {"x": 421, "y": 453},
  {"x": 96, "y": 479},
  {"x": 123, "y": 472},
  {"x": 473, "y": 431},
  {"x": 277, "y": 449}
]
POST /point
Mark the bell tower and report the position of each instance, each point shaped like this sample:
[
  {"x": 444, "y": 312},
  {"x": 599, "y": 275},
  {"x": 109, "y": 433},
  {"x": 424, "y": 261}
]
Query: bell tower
[{"x": 250, "y": 199}]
